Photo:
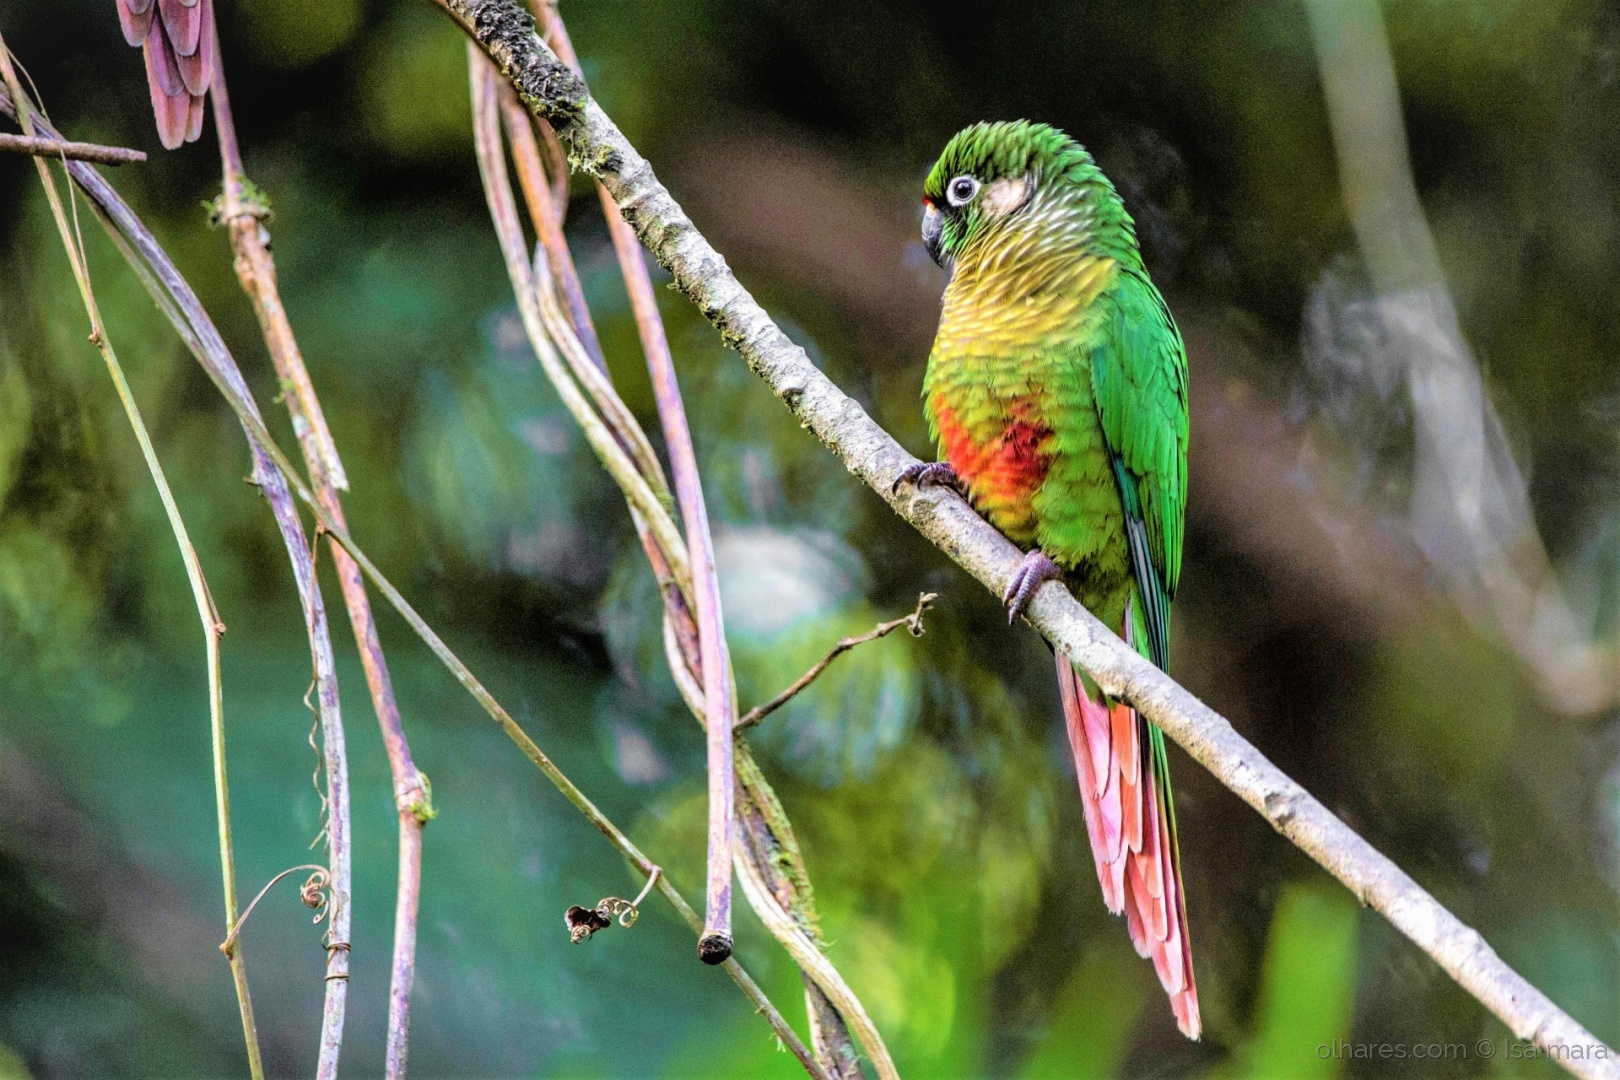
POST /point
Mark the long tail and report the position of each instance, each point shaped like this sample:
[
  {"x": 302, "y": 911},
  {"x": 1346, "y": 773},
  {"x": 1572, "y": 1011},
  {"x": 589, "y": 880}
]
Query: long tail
[{"x": 1131, "y": 822}]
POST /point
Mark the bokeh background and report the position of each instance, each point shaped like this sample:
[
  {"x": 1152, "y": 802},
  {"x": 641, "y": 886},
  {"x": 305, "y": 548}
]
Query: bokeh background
[{"x": 929, "y": 779}]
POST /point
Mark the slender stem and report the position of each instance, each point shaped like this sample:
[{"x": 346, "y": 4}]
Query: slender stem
[
  {"x": 720, "y": 704},
  {"x": 544, "y": 189},
  {"x": 579, "y": 347},
  {"x": 273, "y": 483},
  {"x": 407, "y": 900},
  {"x": 615, "y": 413},
  {"x": 547, "y": 214},
  {"x": 78, "y": 151},
  {"x": 912, "y": 622},
  {"x": 545, "y": 184},
  {"x": 533, "y": 305},
  {"x": 255, "y": 267},
  {"x": 244, "y": 212},
  {"x": 206, "y": 614},
  {"x": 714, "y": 663}
]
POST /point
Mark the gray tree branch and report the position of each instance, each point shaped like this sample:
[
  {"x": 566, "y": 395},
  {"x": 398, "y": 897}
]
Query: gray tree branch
[{"x": 551, "y": 92}]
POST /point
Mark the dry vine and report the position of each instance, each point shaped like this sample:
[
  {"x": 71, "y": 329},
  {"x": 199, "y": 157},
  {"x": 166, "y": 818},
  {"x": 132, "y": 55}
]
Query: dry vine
[
  {"x": 912, "y": 623},
  {"x": 243, "y": 212},
  {"x": 624, "y": 451}
]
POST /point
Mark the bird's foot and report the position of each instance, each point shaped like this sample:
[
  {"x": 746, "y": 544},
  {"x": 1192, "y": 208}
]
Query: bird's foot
[
  {"x": 1035, "y": 571},
  {"x": 924, "y": 473}
]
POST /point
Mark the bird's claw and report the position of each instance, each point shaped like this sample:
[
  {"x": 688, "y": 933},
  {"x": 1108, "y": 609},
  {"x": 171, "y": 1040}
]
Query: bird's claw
[
  {"x": 924, "y": 473},
  {"x": 1035, "y": 571}
]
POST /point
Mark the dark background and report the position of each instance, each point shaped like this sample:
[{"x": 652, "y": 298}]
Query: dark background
[{"x": 928, "y": 779}]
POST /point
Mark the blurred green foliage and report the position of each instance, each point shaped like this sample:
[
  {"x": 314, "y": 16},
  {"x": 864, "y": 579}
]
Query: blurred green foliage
[
  {"x": 1307, "y": 988},
  {"x": 295, "y": 35},
  {"x": 928, "y": 778}
]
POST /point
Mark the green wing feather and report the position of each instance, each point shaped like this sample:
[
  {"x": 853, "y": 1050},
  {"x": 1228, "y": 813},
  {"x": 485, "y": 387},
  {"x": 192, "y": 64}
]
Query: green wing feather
[{"x": 1139, "y": 379}]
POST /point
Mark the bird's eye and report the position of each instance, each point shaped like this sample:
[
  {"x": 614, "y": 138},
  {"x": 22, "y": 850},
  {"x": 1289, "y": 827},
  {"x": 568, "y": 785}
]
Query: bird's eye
[{"x": 961, "y": 190}]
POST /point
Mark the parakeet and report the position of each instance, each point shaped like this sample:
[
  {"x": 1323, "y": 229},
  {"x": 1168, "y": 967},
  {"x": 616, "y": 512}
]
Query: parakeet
[
  {"x": 177, "y": 37},
  {"x": 1056, "y": 393}
]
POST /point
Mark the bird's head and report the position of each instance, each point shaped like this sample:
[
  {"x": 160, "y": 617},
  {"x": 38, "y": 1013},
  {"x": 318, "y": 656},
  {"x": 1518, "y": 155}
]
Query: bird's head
[{"x": 988, "y": 173}]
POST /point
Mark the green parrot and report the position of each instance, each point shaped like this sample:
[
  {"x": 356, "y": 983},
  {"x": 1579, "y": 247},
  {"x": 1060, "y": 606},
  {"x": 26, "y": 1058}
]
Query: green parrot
[{"x": 1057, "y": 395}]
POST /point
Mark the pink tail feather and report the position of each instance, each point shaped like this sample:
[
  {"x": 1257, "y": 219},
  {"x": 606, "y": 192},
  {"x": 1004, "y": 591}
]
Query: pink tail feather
[
  {"x": 177, "y": 37},
  {"x": 1137, "y": 862}
]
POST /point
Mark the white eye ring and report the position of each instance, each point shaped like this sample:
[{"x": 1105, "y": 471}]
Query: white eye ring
[{"x": 961, "y": 190}]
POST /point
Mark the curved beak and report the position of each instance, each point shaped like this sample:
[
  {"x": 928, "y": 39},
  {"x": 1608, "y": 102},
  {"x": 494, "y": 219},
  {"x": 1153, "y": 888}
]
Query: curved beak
[{"x": 933, "y": 229}]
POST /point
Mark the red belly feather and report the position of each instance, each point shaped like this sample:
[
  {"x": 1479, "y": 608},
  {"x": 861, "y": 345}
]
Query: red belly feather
[{"x": 1003, "y": 471}]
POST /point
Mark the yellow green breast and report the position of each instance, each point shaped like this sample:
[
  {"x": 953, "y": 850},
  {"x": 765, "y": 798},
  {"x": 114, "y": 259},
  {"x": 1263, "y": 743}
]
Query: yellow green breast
[{"x": 1009, "y": 402}]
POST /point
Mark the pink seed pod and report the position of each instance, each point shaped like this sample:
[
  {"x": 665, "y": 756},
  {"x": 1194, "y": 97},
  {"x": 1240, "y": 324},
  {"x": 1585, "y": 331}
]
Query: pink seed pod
[{"x": 177, "y": 38}]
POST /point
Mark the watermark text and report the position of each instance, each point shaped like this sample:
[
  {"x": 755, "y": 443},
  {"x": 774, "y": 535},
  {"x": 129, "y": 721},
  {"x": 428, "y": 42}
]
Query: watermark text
[{"x": 1476, "y": 1050}]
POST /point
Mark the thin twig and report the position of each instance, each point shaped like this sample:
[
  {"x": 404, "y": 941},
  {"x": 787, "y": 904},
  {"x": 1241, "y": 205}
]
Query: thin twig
[
  {"x": 244, "y": 211},
  {"x": 714, "y": 664},
  {"x": 315, "y": 886},
  {"x": 256, "y": 269},
  {"x": 583, "y": 350},
  {"x": 552, "y": 92},
  {"x": 912, "y": 623},
  {"x": 720, "y": 702},
  {"x": 273, "y": 482},
  {"x": 206, "y": 613},
  {"x": 543, "y": 194},
  {"x": 580, "y": 348},
  {"x": 77, "y": 151},
  {"x": 615, "y": 413},
  {"x": 577, "y": 341}
]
